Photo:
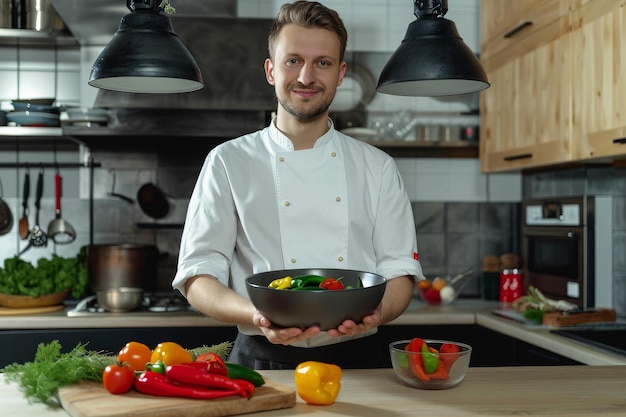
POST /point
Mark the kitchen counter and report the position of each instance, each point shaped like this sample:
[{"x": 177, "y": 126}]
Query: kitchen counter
[
  {"x": 462, "y": 312},
  {"x": 538, "y": 391}
]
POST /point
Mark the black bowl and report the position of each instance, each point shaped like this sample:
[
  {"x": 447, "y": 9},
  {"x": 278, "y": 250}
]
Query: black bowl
[{"x": 324, "y": 308}]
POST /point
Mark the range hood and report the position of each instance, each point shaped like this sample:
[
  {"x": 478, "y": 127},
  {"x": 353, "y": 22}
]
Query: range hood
[{"x": 230, "y": 51}]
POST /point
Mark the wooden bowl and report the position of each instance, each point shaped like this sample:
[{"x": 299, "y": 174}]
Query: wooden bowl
[{"x": 25, "y": 301}]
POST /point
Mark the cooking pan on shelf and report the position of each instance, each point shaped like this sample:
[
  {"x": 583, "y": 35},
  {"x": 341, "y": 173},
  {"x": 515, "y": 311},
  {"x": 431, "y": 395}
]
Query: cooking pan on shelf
[{"x": 153, "y": 201}]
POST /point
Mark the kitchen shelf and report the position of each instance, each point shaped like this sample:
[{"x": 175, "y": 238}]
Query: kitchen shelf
[
  {"x": 413, "y": 149},
  {"x": 30, "y": 131},
  {"x": 14, "y": 138},
  {"x": 28, "y": 37}
]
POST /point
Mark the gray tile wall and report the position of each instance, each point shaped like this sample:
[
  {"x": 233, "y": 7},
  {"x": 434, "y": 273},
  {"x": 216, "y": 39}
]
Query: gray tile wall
[{"x": 455, "y": 236}]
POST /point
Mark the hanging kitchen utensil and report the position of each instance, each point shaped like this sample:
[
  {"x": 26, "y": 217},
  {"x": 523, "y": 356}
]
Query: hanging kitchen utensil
[
  {"x": 59, "y": 229},
  {"x": 23, "y": 228},
  {"x": 6, "y": 217},
  {"x": 37, "y": 237},
  {"x": 114, "y": 194},
  {"x": 153, "y": 201}
]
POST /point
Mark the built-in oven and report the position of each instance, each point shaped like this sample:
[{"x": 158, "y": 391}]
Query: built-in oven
[{"x": 566, "y": 249}]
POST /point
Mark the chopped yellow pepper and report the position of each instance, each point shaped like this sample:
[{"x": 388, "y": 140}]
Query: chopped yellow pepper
[
  {"x": 281, "y": 283},
  {"x": 318, "y": 383}
]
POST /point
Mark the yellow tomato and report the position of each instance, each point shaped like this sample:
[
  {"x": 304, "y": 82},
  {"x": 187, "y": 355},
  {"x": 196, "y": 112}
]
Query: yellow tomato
[{"x": 171, "y": 353}]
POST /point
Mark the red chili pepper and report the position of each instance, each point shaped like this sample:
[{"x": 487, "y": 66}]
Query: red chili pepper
[
  {"x": 191, "y": 375},
  {"x": 332, "y": 284},
  {"x": 152, "y": 383}
]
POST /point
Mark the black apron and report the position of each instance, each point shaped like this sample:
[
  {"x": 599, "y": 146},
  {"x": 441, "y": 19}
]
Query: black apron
[{"x": 257, "y": 352}]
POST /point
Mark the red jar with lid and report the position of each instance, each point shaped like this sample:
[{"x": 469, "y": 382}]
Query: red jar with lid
[{"x": 510, "y": 285}]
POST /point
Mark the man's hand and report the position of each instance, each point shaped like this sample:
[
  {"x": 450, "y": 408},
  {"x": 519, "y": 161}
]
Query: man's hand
[
  {"x": 350, "y": 328},
  {"x": 283, "y": 335}
]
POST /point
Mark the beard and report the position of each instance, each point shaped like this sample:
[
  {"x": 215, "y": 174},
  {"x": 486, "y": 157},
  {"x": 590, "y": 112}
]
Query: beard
[{"x": 303, "y": 110}]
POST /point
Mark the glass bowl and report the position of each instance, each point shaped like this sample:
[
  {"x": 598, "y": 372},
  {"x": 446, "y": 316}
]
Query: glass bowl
[
  {"x": 443, "y": 290},
  {"x": 409, "y": 366}
]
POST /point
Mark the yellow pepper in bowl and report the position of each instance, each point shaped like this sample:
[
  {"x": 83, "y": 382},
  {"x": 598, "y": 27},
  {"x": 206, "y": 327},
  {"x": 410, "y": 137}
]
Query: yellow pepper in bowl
[{"x": 318, "y": 383}]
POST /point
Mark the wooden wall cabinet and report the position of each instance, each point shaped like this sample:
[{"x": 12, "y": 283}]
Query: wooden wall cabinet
[
  {"x": 599, "y": 75},
  {"x": 557, "y": 84},
  {"x": 525, "y": 114}
]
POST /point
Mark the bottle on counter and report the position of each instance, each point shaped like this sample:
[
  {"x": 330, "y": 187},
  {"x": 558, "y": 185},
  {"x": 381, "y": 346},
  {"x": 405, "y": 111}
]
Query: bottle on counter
[
  {"x": 511, "y": 280},
  {"x": 491, "y": 278}
]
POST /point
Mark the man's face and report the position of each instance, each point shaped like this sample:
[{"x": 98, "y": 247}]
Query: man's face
[{"x": 305, "y": 70}]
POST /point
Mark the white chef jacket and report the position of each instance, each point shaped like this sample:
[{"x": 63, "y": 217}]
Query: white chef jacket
[{"x": 258, "y": 206}]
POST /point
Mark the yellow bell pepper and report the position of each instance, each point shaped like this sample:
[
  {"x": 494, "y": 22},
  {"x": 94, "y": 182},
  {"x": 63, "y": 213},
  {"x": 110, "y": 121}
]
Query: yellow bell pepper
[
  {"x": 281, "y": 283},
  {"x": 170, "y": 353},
  {"x": 318, "y": 383}
]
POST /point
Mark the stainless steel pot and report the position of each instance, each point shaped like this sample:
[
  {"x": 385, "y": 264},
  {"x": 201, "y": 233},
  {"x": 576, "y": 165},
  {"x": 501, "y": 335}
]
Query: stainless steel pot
[
  {"x": 122, "y": 265},
  {"x": 120, "y": 300}
]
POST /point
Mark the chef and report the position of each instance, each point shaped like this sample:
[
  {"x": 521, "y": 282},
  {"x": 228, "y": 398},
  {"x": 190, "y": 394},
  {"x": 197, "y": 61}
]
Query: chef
[{"x": 298, "y": 194}]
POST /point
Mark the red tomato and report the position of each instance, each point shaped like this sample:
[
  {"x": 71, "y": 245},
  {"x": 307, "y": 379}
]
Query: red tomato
[
  {"x": 118, "y": 379},
  {"x": 136, "y": 355}
]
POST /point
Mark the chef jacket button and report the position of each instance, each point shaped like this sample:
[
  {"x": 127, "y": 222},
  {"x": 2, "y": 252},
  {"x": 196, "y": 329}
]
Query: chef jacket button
[
  {"x": 340, "y": 259},
  {"x": 293, "y": 261},
  {"x": 333, "y": 154},
  {"x": 281, "y": 159},
  {"x": 338, "y": 199},
  {"x": 287, "y": 203}
]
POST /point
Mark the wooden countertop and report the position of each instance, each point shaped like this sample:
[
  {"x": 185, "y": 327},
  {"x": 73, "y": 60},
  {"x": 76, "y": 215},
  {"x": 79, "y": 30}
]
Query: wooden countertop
[
  {"x": 555, "y": 391},
  {"x": 468, "y": 312}
]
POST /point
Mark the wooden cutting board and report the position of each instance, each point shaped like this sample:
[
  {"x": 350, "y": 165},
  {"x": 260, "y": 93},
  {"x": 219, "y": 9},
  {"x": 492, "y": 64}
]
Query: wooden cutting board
[
  {"x": 90, "y": 399},
  {"x": 594, "y": 316},
  {"x": 8, "y": 311}
]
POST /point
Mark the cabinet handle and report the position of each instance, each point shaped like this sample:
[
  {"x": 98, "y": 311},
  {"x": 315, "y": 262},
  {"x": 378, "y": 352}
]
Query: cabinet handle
[
  {"x": 516, "y": 29},
  {"x": 619, "y": 141},
  {"x": 520, "y": 156}
]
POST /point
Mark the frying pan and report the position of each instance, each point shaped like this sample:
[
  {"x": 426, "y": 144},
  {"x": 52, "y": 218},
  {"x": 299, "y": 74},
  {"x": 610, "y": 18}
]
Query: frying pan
[
  {"x": 153, "y": 201},
  {"x": 6, "y": 217}
]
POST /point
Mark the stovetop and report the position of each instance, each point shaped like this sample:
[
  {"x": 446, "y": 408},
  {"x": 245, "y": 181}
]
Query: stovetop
[
  {"x": 152, "y": 303},
  {"x": 607, "y": 336}
]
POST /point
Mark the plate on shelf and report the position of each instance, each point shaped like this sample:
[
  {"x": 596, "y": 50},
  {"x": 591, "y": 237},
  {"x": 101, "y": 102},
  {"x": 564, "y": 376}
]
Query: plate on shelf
[
  {"x": 31, "y": 118},
  {"x": 23, "y": 106}
]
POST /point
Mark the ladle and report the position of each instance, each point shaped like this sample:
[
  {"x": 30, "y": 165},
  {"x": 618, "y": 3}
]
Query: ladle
[
  {"x": 59, "y": 229},
  {"x": 23, "y": 224}
]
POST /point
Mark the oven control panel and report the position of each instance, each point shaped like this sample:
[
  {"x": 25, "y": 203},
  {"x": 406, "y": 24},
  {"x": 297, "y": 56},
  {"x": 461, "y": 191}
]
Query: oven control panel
[{"x": 553, "y": 215}]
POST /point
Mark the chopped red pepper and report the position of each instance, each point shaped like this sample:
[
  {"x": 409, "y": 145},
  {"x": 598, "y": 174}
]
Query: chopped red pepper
[
  {"x": 450, "y": 354},
  {"x": 214, "y": 364},
  {"x": 415, "y": 361},
  {"x": 332, "y": 284}
]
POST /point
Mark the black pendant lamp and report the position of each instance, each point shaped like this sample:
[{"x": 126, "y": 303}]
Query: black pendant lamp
[
  {"x": 145, "y": 55},
  {"x": 432, "y": 60}
]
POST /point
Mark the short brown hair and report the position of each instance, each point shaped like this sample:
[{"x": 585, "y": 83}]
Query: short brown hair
[{"x": 310, "y": 14}]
